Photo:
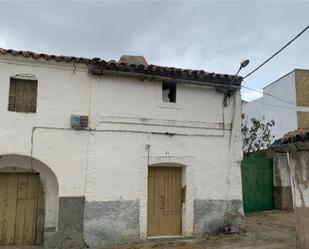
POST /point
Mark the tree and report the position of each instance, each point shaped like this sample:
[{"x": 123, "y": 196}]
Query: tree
[{"x": 256, "y": 134}]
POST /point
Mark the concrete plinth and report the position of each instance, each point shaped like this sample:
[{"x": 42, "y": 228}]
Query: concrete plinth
[
  {"x": 283, "y": 199},
  {"x": 217, "y": 216},
  {"x": 299, "y": 161}
]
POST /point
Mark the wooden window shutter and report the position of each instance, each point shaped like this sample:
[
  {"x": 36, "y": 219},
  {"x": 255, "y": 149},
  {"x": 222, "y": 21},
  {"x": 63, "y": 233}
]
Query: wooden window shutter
[
  {"x": 12, "y": 95},
  {"x": 23, "y": 95}
]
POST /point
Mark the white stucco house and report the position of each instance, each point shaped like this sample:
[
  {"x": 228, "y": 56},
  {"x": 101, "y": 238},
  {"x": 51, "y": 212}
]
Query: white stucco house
[
  {"x": 286, "y": 101},
  {"x": 98, "y": 153}
]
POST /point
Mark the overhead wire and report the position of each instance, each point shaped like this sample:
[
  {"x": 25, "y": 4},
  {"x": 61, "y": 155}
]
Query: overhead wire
[
  {"x": 280, "y": 50},
  {"x": 268, "y": 94},
  {"x": 266, "y": 61},
  {"x": 273, "y": 105},
  {"x": 276, "y": 106}
]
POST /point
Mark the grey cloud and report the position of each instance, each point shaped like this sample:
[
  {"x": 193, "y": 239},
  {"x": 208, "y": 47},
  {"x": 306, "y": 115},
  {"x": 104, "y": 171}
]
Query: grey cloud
[{"x": 213, "y": 36}]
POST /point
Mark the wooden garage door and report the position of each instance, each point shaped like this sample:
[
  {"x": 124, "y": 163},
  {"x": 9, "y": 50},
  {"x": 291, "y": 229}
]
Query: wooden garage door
[
  {"x": 164, "y": 201},
  {"x": 20, "y": 194}
]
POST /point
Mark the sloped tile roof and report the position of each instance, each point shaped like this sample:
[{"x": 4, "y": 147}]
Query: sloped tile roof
[
  {"x": 172, "y": 72},
  {"x": 297, "y": 140},
  {"x": 300, "y": 135},
  {"x": 34, "y": 55}
]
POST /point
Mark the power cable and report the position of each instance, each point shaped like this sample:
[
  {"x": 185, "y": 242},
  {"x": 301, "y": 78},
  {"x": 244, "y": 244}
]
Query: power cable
[
  {"x": 286, "y": 45},
  {"x": 268, "y": 94},
  {"x": 277, "y": 106}
]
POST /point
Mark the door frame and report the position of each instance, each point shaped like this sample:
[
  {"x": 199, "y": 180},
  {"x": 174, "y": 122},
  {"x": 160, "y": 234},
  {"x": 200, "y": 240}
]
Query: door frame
[{"x": 187, "y": 165}]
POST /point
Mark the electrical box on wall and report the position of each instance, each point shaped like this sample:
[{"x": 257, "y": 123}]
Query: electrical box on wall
[{"x": 79, "y": 122}]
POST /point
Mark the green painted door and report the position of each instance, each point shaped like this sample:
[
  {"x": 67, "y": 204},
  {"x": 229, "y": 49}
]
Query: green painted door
[{"x": 257, "y": 182}]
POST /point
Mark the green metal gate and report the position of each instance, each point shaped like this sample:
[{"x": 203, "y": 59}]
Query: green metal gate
[{"x": 257, "y": 182}]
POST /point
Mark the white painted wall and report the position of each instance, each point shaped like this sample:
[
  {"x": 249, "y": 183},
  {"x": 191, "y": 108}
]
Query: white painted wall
[
  {"x": 284, "y": 114},
  {"x": 117, "y": 168},
  {"x": 110, "y": 162},
  {"x": 61, "y": 92},
  {"x": 137, "y": 106}
]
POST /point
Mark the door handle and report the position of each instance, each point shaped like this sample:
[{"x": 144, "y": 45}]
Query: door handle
[{"x": 162, "y": 202}]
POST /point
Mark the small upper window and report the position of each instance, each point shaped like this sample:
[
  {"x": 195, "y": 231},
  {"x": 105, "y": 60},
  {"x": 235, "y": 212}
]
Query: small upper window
[
  {"x": 169, "y": 92},
  {"x": 23, "y": 95}
]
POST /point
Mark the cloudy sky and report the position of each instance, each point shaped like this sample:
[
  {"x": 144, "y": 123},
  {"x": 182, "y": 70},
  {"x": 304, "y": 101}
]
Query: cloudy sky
[{"x": 213, "y": 36}]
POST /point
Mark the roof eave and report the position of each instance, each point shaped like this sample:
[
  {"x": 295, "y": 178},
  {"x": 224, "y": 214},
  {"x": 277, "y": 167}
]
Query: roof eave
[
  {"x": 296, "y": 146},
  {"x": 215, "y": 82}
]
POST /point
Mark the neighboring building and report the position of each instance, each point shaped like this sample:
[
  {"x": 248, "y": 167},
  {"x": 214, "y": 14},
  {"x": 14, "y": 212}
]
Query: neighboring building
[
  {"x": 295, "y": 145},
  {"x": 149, "y": 151},
  {"x": 288, "y": 106}
]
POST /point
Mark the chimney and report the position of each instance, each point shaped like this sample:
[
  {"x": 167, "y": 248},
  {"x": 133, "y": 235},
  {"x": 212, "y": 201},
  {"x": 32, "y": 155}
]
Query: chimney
[{"x": 133, "y": 59}]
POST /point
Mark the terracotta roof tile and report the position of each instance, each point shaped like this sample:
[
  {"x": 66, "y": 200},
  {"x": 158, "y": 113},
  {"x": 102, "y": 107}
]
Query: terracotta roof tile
[
  {"x": 172, "y": 72},
  {"x": 300, "y": 135},
  {"x": 44, "y": 56}
]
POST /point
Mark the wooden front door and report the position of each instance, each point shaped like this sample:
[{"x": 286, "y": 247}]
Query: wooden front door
[
  {"x": 164, "y": 201},
  {"x": 20, "y": 194}
]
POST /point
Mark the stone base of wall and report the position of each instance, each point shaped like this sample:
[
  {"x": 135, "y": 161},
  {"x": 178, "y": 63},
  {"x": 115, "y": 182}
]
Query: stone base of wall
[
  {"x": 111, "y": 222},
  {"x": 217, "y": 216},
  {"x": 93, "y": 224},
  {"x": 70, "y": 225},
  {"x": 283, "y": 199}
]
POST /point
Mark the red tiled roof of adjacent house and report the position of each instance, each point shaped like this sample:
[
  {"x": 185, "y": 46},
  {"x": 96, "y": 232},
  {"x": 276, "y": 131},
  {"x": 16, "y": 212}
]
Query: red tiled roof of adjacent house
[
  {"x": 171, "y": 72},
  {"x": 300, "y": 135}
]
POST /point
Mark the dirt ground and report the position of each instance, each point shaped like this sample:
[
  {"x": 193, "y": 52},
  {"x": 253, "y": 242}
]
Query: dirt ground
[{"x": 264, "y": 230}]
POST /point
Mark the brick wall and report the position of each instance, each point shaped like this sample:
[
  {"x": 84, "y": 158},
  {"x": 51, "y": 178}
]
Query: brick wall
[
  {"x": 303, "y": 119},
  {"x": 302, "y": 96},
  {"x": 302, "y": 87}
]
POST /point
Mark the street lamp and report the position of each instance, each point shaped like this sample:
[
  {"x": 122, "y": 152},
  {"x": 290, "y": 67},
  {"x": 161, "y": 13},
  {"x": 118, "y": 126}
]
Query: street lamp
[
  {"x": 242, "y": 65},
  {"x": 228, "y": 90}
]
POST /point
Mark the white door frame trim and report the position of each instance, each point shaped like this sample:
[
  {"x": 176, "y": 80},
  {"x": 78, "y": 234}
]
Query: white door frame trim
[{"x": 187, "y": 164}]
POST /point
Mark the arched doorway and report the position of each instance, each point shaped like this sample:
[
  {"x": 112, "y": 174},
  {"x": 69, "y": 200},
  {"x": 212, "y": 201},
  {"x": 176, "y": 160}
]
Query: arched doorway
[
  {"x": 28, "y": 200},
  {"x": 21, "y": 208}
]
